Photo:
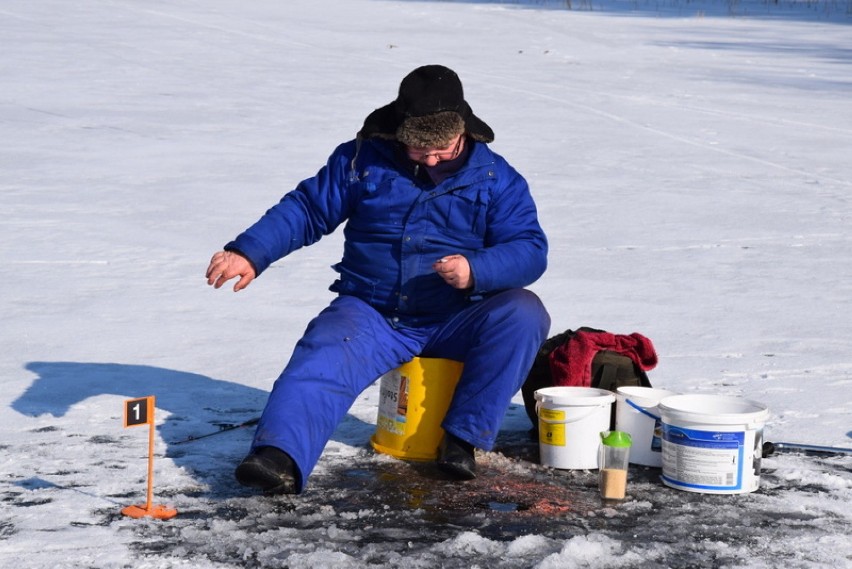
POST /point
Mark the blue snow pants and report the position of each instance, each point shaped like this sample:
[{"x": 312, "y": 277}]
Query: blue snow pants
[{"x": 349, "y": 345}]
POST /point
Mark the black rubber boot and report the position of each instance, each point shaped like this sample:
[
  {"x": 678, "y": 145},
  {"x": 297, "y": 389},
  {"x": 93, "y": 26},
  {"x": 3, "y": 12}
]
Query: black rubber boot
[
  {"x": 269, "y": 469},
  {"x": 456, "y": 458}
]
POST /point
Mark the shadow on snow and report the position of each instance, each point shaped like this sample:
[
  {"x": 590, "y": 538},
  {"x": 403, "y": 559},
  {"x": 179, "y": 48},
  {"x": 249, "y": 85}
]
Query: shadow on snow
[{"x": 194, "y": 405}]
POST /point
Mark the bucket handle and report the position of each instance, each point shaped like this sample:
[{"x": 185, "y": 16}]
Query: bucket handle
[
  {"x": 641, "y": 409},
  {"x": 574, "y": 420}
]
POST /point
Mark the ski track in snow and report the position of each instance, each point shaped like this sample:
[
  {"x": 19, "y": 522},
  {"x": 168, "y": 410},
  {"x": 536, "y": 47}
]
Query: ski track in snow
[{"x": 678, "y": 138}]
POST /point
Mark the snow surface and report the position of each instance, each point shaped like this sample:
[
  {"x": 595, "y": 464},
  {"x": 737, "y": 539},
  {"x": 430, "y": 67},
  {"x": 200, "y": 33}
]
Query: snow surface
[{"x": 691, "y": 163}]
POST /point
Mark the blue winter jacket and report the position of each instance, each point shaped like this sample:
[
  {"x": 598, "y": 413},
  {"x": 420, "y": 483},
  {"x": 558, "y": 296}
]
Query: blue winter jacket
[{"x": 397, "y": 226}]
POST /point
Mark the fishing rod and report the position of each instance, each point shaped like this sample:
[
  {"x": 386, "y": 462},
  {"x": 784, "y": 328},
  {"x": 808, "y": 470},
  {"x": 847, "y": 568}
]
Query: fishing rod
[
  {"x": 770, "y": 448},
  {"x": 222, "y": 429}
]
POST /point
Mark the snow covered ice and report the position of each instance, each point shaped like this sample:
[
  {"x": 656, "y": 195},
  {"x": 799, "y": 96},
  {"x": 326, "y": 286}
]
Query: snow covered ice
[{"x": 691, "y": 163}]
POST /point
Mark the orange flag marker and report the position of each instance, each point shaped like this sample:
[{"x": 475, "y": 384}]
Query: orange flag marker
[{"x": 141, "y": 412}]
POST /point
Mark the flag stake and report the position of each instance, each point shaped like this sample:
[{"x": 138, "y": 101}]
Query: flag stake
[{"x": 141, "y": 412}]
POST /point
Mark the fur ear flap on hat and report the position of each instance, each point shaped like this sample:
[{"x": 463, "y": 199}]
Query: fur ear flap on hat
[{"x": 430, "y": 131}]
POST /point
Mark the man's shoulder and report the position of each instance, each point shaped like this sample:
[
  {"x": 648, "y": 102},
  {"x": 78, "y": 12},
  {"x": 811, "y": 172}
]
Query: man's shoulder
[
  {"x": 483, "y": 156},
  {"x": 345, "y": 148}
]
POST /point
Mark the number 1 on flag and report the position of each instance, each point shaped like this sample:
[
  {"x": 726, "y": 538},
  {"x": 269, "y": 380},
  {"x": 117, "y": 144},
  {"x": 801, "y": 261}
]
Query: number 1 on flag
[{"x": 138, "y": 411}]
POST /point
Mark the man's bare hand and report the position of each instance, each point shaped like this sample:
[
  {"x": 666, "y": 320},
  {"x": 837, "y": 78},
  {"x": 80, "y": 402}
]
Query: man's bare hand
[
  {"x": 225, "y": 265},
  {"x": 455, "y": 270}
]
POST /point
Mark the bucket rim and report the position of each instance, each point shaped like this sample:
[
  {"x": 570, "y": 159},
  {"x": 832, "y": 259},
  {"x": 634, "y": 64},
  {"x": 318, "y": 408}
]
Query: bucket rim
[
  {"x": 643, "y": 396},
  {"x": 676, "y": 407},
  {"x": 574, "y": 396}
]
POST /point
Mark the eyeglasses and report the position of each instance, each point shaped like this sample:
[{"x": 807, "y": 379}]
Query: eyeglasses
[{"x": 441, "y": 155}]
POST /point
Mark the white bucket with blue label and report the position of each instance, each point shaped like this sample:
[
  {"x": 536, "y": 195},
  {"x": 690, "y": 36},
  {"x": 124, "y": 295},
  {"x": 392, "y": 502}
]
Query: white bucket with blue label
[{"x": 712, "y": 443}]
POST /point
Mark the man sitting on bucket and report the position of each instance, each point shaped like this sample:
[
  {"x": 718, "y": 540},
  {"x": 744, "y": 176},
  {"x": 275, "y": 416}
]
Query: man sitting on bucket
[{"x": 441, "y": 234}]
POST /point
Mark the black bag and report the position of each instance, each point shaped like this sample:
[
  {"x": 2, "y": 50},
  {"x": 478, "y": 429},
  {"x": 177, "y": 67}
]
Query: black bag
[{"x": 610, "y": 370}]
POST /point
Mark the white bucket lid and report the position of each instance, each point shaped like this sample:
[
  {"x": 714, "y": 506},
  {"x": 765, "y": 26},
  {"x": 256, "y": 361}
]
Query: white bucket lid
[
  {"x": 574, "y": 396},
  {"x": 715, "y": 409},
  {"x": 643, "y": 396}
]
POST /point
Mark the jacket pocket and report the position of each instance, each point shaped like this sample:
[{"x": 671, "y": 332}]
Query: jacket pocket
[
  {"x": 353, "y": 284},
  {"x": 461, "y": 214}
]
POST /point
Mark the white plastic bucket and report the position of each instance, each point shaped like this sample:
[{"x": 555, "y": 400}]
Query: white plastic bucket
[
  {"x": 636, "y": 413},
  {"x": 570, "y": 420},
  {"x": 711, "y": 443}
]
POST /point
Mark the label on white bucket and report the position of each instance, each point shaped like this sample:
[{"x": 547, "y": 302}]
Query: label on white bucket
[
  {"x": 551, "y": 427},
  {"x": 703, "y": 460},
  {"x": 656, "y": 442},
  {"x": 393, "y": 403}
]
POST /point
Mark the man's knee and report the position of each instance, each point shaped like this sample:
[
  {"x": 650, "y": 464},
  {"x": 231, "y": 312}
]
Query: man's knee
[{"x": 526, "y": 310}]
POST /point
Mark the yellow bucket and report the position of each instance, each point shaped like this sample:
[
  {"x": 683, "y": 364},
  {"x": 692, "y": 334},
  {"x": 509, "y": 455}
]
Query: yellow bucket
[{"x": 412, "y": 403}]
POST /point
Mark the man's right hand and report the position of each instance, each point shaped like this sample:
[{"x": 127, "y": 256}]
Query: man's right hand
[{"x": 226, "y": 265}]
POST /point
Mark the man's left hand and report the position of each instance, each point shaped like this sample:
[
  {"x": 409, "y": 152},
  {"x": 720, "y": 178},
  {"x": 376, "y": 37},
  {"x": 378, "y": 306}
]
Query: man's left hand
[{"x": 455, "y": 270}]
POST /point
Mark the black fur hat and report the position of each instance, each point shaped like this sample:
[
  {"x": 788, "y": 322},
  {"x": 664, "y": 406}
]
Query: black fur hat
[{"x": 429, "y": 111}]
